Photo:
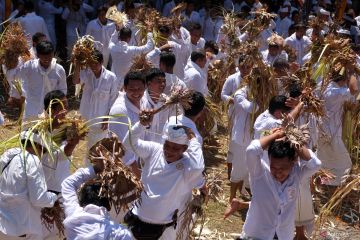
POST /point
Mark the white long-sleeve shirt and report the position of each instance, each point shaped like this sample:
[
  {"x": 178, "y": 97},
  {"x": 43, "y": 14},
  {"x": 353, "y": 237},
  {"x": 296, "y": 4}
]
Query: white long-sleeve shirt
[
  {"x": 265, "y": 121},
  {"x": 128, "y": 112},
  {"x": 195, "y": 78},
  {"x": 47, "y": 10},
  {"x": 212, "y": 28},
  {"x": 31, "y": 24},
  {"x": 122, "y": 55},
  {"x": 272, "y": 207},
  {"x": 11, "y": 76},
  {"x": 23, "y": 192},
  {"x": 302, "y": 46},
  {"x": 231, "y": 84},
  {"x": 166, "y": 12},
  {"x": 164, "y": 182},
  {"x": 269, "y": 60},
  {"x": 282, "y": 27},
  {"x": 243, "y": 109},
  {"x": 99, "y": 94},
  {"x": 37, "y": 82},
  {"x": 171, "y": 81},
  {"x": 90, "y": 222}
]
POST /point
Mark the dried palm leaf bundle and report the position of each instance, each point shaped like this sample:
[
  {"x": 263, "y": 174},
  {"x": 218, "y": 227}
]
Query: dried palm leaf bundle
[
  {"x": 13, "y": 44},
  {"x": 230, "y": 30},
  {"x": 119, "y": 18},
  {"x": 214, "y": 184},
  {"x": 146, "y": 21},
  {"x": 211, "y": 117},
  {"x": 336, "y": 58},
  {"x": 259, "y": 23},
  {"x": 83, "y": 51},
  {"x": 141, "y": 64},
  {"x": 178, "y": 96},
  {"x": 313, "y": 104},
  {"x": 176, "y": 14},
  {"x": 297, "y": 136},
  {"x": 350, "y": 128},
  {"x": 261, "y": 87},
  {"x": 118, "y": 183},
  {"x": 53, "y": 216},
  {"x": 291, "y": 52}
]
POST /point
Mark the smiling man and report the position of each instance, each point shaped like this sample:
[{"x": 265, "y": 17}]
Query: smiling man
[
  {"x": 168, "y": 174},
  {"x": 39, "y": 77}
]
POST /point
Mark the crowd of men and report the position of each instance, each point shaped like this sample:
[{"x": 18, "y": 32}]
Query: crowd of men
[{"x": 165, "y": 150}]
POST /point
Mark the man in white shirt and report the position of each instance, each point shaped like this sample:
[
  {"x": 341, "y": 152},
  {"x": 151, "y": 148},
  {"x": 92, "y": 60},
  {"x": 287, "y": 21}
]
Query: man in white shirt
[
  {"x": 331, "y": 149},
  {"x": 101, "y": 30},
  {"x": 23, "y": 190},
  {"x": 166, "y": 64},
  {"x": 240, "y": 139},
  {"x": 99, "y": 94},
  {"x": 275, "y": 50},
  {"x": 166, "y": 12},
  {"x": 126, "y": 111},
  {"x": 122, "y": 53},
  {"x": 194, "y": 74},
  {"x": 47, "y": 10},
  {"x": 156, "y": 82},
  {"x": 87, "y": 213},
  {"x": 36, "y": 38},
  {"x": 190, "y": 15},
  {"x": 40, "y": 76},
  {"x": 31, "y": 23},
  {"x": 299, "y": 42},
  {"x": 275, "y": 186},
  {"x": 212, "y": 25},
  {"x": 283, "y": 23},
  {"x": 168, "y": 173},
  {"x": 197, "y": 42}
]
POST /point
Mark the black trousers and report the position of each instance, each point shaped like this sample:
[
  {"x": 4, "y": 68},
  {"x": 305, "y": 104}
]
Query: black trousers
[{"x": 142, "y": 230}]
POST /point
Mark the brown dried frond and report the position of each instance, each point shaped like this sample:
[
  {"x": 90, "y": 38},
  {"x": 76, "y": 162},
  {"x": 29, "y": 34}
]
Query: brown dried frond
[
  {"x": 179, "y": 8},
  {"x": 214, "y": 184},
  {"x": 120, "y": 18},
  {"x": 83, "y": 51},
  {"x": 72, "y": 126},
  {"x": 313, "y": 104},
  {"x": 13, "y": 45},
  {"x": 141, "y": 64},
  {"x": 51, "y": 216},
  {"x": 297, "y": 136},
  {"x": 118, "y": 183},
  {"x": 259, "y": 23}
]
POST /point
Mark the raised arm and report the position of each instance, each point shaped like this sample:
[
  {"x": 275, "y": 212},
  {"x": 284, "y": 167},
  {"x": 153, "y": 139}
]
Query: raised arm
[
  {"x": 70, "y": 186},
  {"x": 242, "y": 102}
]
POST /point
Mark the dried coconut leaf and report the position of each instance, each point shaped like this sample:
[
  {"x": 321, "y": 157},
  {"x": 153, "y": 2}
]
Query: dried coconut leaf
[
  {"x": 120, "y": 18},
  {"x": 297, "y": 136},
  {"x": 118, "y": 183},
  {"x": 141, "y": 64},
  {"x": 83, "y": 51},
  {"x": 53, "y": 216}
]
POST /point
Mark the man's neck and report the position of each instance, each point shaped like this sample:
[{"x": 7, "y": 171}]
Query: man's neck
[{"x": 136, "y": 104}]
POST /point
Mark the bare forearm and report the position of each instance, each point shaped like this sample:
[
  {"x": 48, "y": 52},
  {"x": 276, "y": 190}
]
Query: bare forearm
[
  {"x": 76, "y": 75},
  {"x": 353, "y": 86},
  {"x": 295, "y": 113}
]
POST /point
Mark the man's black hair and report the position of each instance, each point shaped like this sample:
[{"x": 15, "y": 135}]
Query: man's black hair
[
  {"x": 153, "y": 73},
  {"x": 101, "y": 9},
  {"x": 281, "y": 63},
  {"x": 29, "y": 6},
  {"x": 44, "y": 48},
  {"x": 212, "y": 45},
  {"x": 168, "y": 59},
  {"x": 164, "y": 29},
  {"x": 197, "y": 105},
  {"x": 98, "y": 56},
  {"x": 130, "y": 76},
  {"x": 53, "y": 97},
  {"x": 194, "y": 26},
  {"x": 295, "y": 90},
  {"x": 278, "y": 103},
  {"x": 125, "y": 33},
  {"x": 281, "y": 149},
  {"x": 37, "y": 36},
  {"x": 89, "y": 194},
  {"x": 196, "y": 55}
]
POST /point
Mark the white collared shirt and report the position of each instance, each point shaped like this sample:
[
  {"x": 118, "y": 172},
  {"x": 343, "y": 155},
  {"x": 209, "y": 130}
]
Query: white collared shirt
[
  {"x": 242, "y": 120},
  {"x": 273, "y": 203},
  {"x": 31, "y": 24},
  {"x": 265, "y": 121},
  {"x": 101, "y": 33},
  {"x": 35, "y": 88},
  {"x": 212, "y": 28},
  {"x": 163, "y": 181},
  {"x": 129, "y": 112},
  {"x": 195, "y": 78},
  {"x": 301, "y": 46},
  {"x": 232, "y": 83},
  {"x": 99, "y": 94},
  {"x": 171, "y": 81},
  {"x": 23, "y": 192},
  {"x": 11, "y": 76},
  {"x": 90, "y": 222},
  {"x": 269, "y": 60},
  {"x": 122, "y": 55},
  {"x": 282, "y": 26}
]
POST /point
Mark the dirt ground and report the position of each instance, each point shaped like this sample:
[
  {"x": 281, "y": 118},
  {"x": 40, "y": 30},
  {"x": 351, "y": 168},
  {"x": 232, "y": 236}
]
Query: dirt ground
[{"x": 215, "y": 227}]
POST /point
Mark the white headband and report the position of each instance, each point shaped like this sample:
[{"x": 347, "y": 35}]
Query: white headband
[{"x": 176, "y": 134}]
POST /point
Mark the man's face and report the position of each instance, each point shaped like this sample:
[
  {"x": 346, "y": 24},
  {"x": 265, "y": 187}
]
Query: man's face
[
  {"x": 274, "y": 50},
  {"x": 173, "y": 151},
  {"x": 195, "y": 36},
  {"x": 59, "y": 112},
  {"x": 102, "y": 17},
  {"x": 201, "y": 62},
  {"x": 157, "y": 85},
  {"x": 245, "y": 69},
  {"x": 300, "y": 32},
  {"x": 95, "y": 67},
  {"x": 135, "y": 90},
  {"x": 280, "y": 168},
  {"x": 45, "y": 59}
]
